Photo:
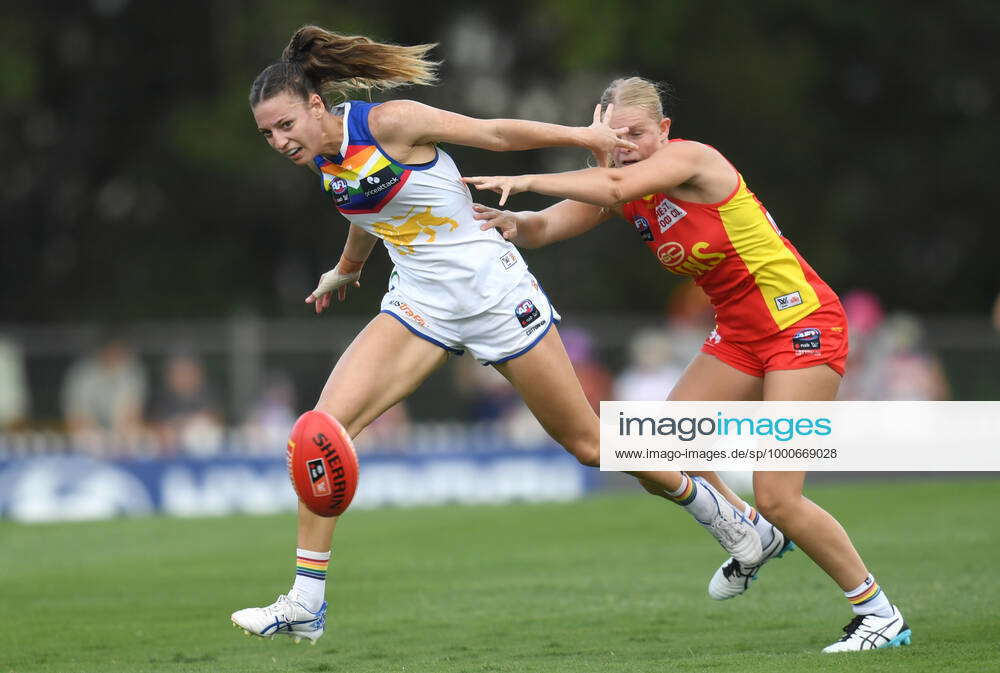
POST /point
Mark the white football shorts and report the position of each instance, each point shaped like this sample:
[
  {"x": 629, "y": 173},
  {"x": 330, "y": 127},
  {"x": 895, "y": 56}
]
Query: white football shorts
[{"x": 509, "y": 328}]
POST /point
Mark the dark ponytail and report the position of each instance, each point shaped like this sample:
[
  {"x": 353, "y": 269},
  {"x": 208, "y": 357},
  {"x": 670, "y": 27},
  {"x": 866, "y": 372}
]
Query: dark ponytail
[{"x": 318, "y": 61}]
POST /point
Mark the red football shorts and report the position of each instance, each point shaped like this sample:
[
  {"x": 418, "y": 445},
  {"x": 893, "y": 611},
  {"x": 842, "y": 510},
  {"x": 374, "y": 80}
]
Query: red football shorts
[{"x": 818, "y": 339}]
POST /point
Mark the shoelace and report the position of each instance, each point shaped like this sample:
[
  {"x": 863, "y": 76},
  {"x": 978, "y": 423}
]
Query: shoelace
[
  {"x": 278, "y": 608},
  {"x": 732, "y": 531},
  {"x": 852, "y": 626},
  {"x": 734, "y": 568}
]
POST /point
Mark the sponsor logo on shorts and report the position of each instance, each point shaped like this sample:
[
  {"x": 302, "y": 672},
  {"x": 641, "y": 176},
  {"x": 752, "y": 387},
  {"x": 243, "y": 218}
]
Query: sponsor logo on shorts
[
  {"x": 714, "y": 337},
  {"x": 668, "y": 213},
  {"x": 317, "y": 475},
  {"x": 405, "y": 309},
  {"x": 806, "y": 341},
  {"x": 531, "y": 330},
  {"x": 526, "y": 313},
  {"x": 642, "y": 226},
  {"x": 509, "y": 260},
  {"x": 788, "y": 300}
]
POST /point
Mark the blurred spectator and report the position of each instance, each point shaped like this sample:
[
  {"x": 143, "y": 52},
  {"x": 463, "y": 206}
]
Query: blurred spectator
[
  {"x": 595, "y": 379},
  {"x": 185, "y": 412},
  {"x": 272, "y": 414},
  {"x": 487, "y": 395},
  {"x": 912, "y": 372},
  {"x": 864, "y": 318},
  {"x": 105, "y": 391},
  {"x": 653, "y": 368},
  {"x": 888, "y": 359},
  {"x": 14, "y": 396}
]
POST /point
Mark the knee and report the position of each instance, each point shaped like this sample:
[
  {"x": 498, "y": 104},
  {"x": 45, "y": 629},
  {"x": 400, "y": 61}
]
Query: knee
[{"x": 776, "y": 506}]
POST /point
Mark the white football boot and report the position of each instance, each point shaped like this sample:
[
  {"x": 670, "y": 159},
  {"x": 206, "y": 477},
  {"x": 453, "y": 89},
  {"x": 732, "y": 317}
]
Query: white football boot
[
  {"x": 284, "y": 617},
  {"x": 871, "y": 632},
  {"x": 733, "y": 578},
  {"x": 731, "y": 528}
]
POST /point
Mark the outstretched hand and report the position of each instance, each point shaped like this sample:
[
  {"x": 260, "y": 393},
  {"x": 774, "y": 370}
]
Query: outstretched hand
[
  {"x": 504, "y": 221},
  {"x": 602, "y": 139},
  {"x": 504, "y": 185}
]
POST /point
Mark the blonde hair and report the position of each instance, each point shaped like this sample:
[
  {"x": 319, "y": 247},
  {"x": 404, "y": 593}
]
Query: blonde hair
[
  {"x": 635, "y": 92},
  {"x": 319, "y": 61}
]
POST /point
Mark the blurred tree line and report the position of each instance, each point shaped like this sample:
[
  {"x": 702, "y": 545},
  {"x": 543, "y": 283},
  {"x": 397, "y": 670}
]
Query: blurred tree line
[{"x": 136, "y": 186}]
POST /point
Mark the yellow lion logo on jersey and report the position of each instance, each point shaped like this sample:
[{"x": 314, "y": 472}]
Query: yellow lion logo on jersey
[{"x": 401, "y": 236}]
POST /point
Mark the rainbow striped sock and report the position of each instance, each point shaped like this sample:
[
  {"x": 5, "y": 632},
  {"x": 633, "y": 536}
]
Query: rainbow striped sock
[
  {"x": 310, "y": 578},
  {"x": 687, "y": 492},
  {"x": 869, "y": 599},
  {"x": 311, "y": 567}
]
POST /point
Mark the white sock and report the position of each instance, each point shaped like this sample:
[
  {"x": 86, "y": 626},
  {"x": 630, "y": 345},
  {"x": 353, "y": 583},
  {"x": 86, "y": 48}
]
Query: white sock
[
  {"x": 763, "y": 526},
  {"x": 310, "y": 578},
  {"x": 698, "y": 497},
  {"x": 869, "y": 599}
]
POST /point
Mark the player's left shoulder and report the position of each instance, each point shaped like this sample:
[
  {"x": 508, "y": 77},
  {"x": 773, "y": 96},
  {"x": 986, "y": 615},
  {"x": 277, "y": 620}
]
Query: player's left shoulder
[
  {"x": 681, "y": 154},
  {"x": 395, "y": 115}
]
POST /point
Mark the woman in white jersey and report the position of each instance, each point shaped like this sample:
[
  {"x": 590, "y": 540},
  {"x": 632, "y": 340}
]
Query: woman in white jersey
[{"x": 455, "y": 286}]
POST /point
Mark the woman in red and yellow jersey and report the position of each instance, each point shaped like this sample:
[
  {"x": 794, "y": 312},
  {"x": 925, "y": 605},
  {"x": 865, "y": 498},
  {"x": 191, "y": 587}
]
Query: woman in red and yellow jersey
[{"x": 781, "y": 333}]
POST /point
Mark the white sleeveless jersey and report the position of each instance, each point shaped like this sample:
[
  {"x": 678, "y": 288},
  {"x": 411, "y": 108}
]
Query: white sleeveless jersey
[{"x": 423, "y": 214}]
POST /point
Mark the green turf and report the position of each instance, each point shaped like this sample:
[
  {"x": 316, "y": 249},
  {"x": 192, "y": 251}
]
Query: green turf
[{"x": 613, "y": 583}]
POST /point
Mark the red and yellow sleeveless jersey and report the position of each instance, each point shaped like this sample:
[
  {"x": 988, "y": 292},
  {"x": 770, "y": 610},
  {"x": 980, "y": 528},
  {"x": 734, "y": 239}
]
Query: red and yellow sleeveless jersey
[{"x": 754, "y": 277}]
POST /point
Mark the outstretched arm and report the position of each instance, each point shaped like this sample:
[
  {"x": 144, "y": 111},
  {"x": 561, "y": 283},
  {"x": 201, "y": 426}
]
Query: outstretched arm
[
  {"x": 533, "y": 229},
  {"x": 670, "y": 166},
  {"x": 408, "y": 123}
]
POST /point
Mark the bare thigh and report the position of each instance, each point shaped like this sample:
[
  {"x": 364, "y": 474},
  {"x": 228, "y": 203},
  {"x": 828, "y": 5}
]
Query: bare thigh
[
  {"x": 383, "y": 365},
  {"x": 709, "y": 379},
  {"x": 819, "y": 383},
  {"x": 546, "y": 380}
]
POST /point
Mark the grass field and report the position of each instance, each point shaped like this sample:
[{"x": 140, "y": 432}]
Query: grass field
[{"x": 613, "y": 583}]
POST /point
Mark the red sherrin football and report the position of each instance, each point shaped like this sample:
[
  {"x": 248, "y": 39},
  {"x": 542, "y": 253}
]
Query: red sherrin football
[{"x": 322, "y": 463}]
